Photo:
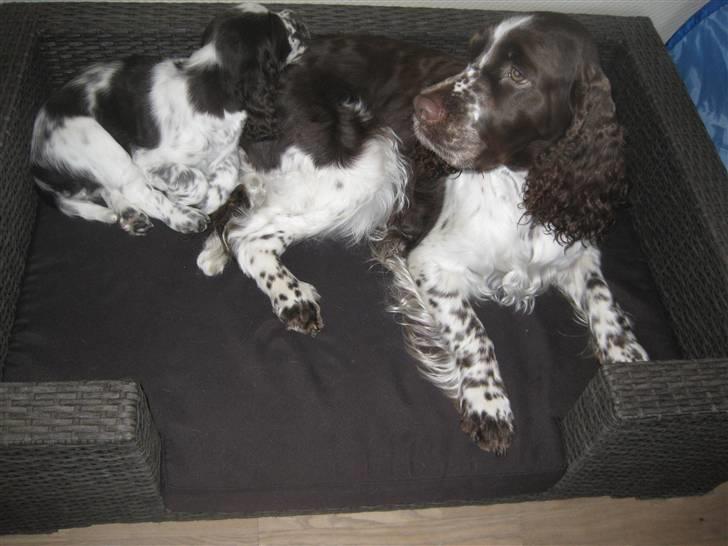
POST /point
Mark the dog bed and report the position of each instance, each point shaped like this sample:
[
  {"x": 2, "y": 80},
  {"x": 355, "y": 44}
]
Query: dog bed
[{"x": 134, "y": 388}]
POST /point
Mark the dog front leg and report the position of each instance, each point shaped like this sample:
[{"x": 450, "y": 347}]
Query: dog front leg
[
  {"x": 589, "y": 293},
  {"x": 473, "y": 379},
  {"x": 258, "y": 242}
]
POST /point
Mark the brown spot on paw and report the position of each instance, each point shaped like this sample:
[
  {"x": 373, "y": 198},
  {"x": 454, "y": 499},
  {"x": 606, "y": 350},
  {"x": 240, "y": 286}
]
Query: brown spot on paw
[
  {"x": 488, "y": 433},
  {"x": 303, "y": 316},
  {"x": 134, "y": 222}
]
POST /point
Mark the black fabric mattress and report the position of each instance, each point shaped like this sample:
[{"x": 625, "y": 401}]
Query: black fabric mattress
[{"x": 255, "y": 419}]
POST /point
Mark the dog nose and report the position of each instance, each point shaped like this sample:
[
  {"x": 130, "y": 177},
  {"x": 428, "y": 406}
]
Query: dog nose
[{"x": 428, "y": 110}]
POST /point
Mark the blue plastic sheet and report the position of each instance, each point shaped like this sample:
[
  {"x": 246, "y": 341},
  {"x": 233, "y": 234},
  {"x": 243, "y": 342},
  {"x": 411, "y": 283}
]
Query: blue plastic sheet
[{"x": 700, "y": 52}]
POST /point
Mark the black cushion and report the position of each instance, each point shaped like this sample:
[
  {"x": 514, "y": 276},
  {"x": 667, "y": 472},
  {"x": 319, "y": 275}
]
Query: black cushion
[{"x": 255, "y": 419}]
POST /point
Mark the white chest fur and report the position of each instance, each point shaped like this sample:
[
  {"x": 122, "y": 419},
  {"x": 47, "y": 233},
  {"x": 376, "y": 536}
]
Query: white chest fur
[
  {"x": 349, "y": 201},
  {"x": 486, "y": 240}
]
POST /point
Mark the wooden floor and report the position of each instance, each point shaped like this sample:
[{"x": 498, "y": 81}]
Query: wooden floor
[{"x": 681, "y": 521}]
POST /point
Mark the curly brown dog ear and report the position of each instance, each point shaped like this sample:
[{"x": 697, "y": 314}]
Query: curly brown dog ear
[
  {"x": 535, "y": 98},
  {"x": 575, "y": 185},
  {"x": 531, "y": 125}
]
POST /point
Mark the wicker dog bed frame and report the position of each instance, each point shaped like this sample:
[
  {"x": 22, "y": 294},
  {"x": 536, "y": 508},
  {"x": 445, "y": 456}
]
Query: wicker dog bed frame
[{"x": 78, "y": 453}]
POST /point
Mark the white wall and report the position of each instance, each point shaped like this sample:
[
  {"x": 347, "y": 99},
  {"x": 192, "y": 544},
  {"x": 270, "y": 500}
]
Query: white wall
[{"x": 666, "y": 15}]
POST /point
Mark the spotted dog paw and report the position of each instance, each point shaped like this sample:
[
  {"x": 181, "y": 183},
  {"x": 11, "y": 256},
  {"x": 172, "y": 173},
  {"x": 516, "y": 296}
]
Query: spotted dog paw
[
  {"x": 487, "y": 419},
  {"x": 298, "y": 308},
  {"x": 188, "y": 220},
  {"x": 623, "y": 348},
  {"x": 304, "y": 317},
  {"x": 212, "y": 258},
  {"x": 134, "y": 222}
]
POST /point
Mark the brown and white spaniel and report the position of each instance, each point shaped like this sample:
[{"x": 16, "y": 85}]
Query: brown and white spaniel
[{"x": 531, "y": 124}]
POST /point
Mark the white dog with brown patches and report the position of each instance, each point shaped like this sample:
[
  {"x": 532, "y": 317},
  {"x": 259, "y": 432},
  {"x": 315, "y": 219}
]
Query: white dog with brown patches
[
  {"x": 139, "y": 137},
  {"x": 532, "y": 125}
]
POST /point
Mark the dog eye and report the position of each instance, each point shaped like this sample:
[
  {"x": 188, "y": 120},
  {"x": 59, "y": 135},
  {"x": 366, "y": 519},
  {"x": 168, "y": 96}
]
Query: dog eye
[{"x": 516, "y": 75}]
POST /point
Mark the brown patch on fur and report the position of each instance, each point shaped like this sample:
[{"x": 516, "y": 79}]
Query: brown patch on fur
[
  {"x": 575, "y": 185},
  {"x": 219, "y": 219}
]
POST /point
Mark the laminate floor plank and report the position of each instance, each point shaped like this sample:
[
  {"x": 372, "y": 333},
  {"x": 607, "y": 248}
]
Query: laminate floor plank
[{"x": 601, "y": 521}]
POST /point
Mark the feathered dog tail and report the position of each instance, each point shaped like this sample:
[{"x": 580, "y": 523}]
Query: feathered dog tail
[{"x": 423, "y": 337}]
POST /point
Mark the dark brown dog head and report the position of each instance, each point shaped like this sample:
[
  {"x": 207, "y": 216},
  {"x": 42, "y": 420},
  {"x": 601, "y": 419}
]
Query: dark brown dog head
[{"x": 534, "y": 97}]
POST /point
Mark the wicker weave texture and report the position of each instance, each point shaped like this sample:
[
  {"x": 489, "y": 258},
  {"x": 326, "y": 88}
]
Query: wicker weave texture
[
  {"x": 690, "y": 389},
  {"x": 75, "y": 35},
  {"x": 657, "y": 429},
  {"x": 76, "y": 453},
  {"x": 72, "y": 36},
  {"x": 680, "y": 222},
  {"x": 73, "y": 456},
  {"x": 19, "y": 99},
  {"x": 679, "y": 194}
]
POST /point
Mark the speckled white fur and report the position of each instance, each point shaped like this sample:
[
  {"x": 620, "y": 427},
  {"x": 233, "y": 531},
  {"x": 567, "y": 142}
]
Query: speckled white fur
[
  {"x": 484, "y": 247},
  {"x": 299, "y": 200}
]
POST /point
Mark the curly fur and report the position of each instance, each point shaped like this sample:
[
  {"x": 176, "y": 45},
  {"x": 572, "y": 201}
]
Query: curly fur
[
  {"x": 422, "y": 334},
  {"x": 262, "y": 123},
  {"x": 531, "y": 124},
  {"x": 141, "y": 138},
  {"x": 334, "y": 160},
  {"x": 575, "y": 185}
]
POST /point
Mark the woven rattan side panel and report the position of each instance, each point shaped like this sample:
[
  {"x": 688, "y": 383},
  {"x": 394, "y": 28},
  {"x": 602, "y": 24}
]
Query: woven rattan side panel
[
  {"x": 76, "y": 453},
  {"x": 654, "y": 429},
  {"x": 74, "y": 35},
  {"x": 21, "y": 90},
  {"x": 679, "y": 193}
]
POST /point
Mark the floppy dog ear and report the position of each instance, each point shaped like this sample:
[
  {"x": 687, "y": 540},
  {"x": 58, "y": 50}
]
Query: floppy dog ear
[
  {"x": 258, "y": 91},
  {"x": 575, "y": 184},
  {"x": 258, "y": 75},
  {"x": 214, "y": 80}
]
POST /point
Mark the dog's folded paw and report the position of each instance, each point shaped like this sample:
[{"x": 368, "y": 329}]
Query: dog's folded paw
[
  {"x": 302, "y": 316},
  {"x": 134, "y": 221},
  {"x": 492, "y": 429},
  {"x": 297, "y": 307},
  {"x": 623, "y": 348},
  {"x": 212, "y": 258}
]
